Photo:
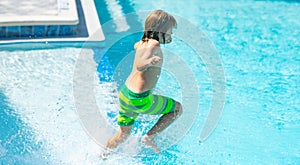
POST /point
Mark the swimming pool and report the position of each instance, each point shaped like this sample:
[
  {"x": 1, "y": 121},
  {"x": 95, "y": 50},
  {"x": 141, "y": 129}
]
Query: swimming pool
[{"x": 258, "y": 44}]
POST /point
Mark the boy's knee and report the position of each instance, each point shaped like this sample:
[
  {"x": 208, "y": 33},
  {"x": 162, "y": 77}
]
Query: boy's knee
[
  {"x": 178, "y": 109},
  {"x": 124, "y": 131}
]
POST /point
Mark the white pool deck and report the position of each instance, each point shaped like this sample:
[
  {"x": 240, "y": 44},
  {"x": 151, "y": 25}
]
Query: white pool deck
[{"x": 50, "y": 12}]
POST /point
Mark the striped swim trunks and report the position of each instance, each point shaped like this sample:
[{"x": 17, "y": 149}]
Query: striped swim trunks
[{"x": 132, "y": 104}]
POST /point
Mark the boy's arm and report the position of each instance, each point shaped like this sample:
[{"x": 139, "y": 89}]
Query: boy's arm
[
  {"x": 149, "y": 57},
  {"x": 148, "y": 63}
]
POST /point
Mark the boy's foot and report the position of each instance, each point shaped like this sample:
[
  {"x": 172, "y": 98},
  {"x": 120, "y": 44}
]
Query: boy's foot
[
  {"x": 105, "y": 154},
  {"x": 149, "y": 141}
]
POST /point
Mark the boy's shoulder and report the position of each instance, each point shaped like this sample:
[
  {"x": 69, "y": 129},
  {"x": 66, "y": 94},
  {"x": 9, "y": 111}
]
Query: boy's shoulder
[
  {"x": 137, "y": 44},
  {"x": 150, "y": 44},
  {"x": 153, "y": 43}
]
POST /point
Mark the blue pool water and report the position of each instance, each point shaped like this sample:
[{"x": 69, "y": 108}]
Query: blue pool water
[{"x": 258, "y": 44}]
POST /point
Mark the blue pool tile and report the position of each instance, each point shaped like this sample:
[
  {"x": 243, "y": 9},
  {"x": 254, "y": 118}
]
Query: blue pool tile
[
  {"x": 67, "y": 30},
  {"x": 52, "y": 31},
  {"x": 13, "y": 31},
  {"x": 39, "y": 31},
  {"x": 26, "y": 31},
  {"x": 2, "y": 32}
]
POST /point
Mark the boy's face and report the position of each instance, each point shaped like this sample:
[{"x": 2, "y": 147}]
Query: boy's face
[{"x": 168, "y": 36}]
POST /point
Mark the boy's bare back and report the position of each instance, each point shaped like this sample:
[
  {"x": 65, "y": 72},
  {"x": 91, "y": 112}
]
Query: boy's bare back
[{"x": 146, "y": 67}]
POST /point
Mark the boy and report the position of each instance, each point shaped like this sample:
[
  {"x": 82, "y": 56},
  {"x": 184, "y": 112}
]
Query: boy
[{"x": 135, "y": 95}]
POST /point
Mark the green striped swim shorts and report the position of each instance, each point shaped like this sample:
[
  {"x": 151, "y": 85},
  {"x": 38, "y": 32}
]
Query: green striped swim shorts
[{"x": 132, "y": 104}]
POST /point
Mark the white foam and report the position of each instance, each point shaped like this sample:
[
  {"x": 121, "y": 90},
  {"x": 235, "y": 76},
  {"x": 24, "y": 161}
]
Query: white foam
[
  {"x": 38, "y": 85},
  {"x": 2, "y": 150}
]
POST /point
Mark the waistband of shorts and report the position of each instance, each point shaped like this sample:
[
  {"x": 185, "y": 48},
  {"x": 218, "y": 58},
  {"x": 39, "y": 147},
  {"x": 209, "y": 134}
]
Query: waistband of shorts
[{"x": 125, "y": 90}]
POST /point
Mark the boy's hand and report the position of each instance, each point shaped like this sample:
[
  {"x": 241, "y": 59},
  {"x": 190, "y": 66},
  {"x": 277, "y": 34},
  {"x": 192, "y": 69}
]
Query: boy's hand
[
  {"x": 155, "y": 60},
  {"x": 151, "y": 62}
]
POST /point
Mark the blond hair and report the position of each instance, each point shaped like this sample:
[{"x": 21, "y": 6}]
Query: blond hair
[{"x": 158, "y": 21}]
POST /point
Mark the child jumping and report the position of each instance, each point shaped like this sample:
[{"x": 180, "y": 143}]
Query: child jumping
[{"x": 136, "y": 96}]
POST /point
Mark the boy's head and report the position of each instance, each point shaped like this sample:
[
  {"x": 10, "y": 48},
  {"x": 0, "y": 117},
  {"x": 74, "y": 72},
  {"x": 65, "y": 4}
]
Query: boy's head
[{"x": 158, "y": 26}]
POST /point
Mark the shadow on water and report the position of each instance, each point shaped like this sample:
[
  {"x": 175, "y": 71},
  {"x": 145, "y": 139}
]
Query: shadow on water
[{"x": 17, "y": 144}]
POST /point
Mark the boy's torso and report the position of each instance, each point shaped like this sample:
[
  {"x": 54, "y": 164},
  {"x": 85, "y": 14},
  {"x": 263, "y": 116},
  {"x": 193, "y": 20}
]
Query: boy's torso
[{"x": 141, "y": 81}]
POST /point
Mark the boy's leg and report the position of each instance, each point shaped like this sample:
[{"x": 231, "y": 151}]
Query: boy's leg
[
  {"x": 119, "y": 137},
  {"x": 122, "y": 134},
  {"x": 163, "y": 122}
]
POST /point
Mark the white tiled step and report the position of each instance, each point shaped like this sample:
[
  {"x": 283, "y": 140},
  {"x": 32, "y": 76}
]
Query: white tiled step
[{"x": 36, "y": 12}]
